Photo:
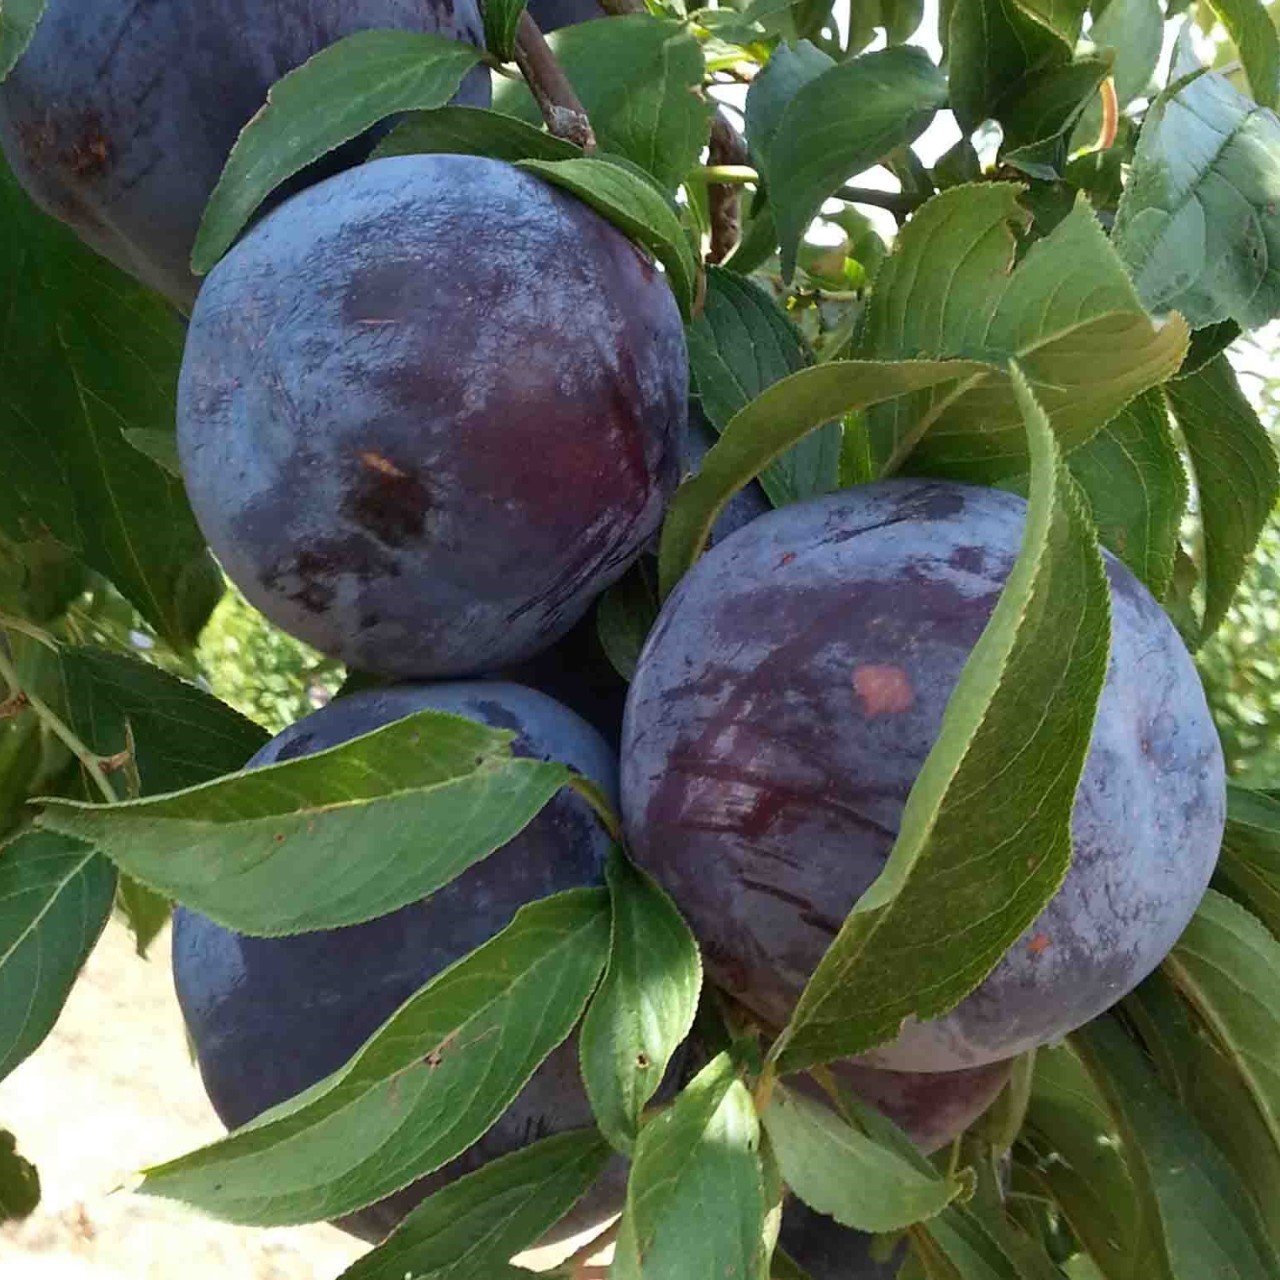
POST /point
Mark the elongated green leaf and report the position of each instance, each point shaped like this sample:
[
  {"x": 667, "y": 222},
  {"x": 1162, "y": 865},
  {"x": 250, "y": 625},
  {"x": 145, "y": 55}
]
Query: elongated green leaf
[
  {"x": 990, "y": 812},
  {"x": 1197, "y": 225},
  {"x": 646, "y": 1003},
  {"x": 868, "y": 106},
  {"x": 145, "y": 912},
  {"x": 55, "y": 896},
  {"x": 469, "y": 131},
  {"x": 428, "y": 1083},
  {"x": 18, "y": 22},
  {"x": 1254, "y": 34},
  {"x": 1038, "y": 122},
  {"x": 336, "y": 96},
  {"x": 87, "y": 355},
  {"x": 501, "y": 18},
  {"x": 773, "y": 423},
  {"x": 1201, "y": 1217},
  {"x": 695, "y": 1199},
  {"x": 638, "y": 78},
  {"x": 1235, "y": 469},
  {"x": 1225, "y": 967},
  {"x": 789, "y": 69},
  {"x": 1067, "y": 313},
  {"x": 636, "y": 207},
  {"x": 1132, "y": 32},
  {"x": 1249, "y": 870},
  {"x": 741, "y": 344},
  {"x": 846, "y": 1174},
  {"x": 19, "y": 1182},
  {"x": 1062, "y": 17},
  {"x": 335, "y": 838},
  {"x": 1078, "y": 1163},
  {"x": 474, "y": 1226},
  {"x": 958, "y": 1245},
  {"x": 1133, "y": 476}
]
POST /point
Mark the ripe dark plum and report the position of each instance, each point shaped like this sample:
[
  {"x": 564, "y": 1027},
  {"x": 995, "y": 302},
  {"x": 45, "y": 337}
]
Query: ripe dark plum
[
  {"x": 271, "y": 1016},
  {"x": 747, "y": 504},
  {"x": 429, "y": 410},
  {"x": 119, "y": 117},
  {"x": 785, "y": 702},
  {"x": 551, "y": 15},
  {"x": 828, "y": 1251}
]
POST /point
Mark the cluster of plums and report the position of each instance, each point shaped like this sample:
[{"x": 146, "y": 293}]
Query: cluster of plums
[{"x": 430, "y": 408}]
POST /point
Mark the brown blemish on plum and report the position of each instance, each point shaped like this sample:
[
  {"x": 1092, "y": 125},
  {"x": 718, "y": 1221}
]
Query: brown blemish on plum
[
  {"x": 883, "y": 689},
  {"x": 388, "y": 500},
  {"x": 1039, "y": 944}
]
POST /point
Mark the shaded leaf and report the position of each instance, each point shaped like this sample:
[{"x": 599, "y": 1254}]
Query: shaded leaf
[
  {"x": 636, "y": 207},
  {"x": 1062, "y": 17},
  {"x": 695, "y": 1198},
  {"x": 1234, "y": 463},
  {"x": 624, "y": 617},
  {"x": 846, "y": 1174},
  {"x": 55, "y": 897},
  {"x": 740, "y": 345},
  {"x": 646, "y": 1003},
  {"x": 1039, "y": 122},
  {"x": 337, "y": 95},
  {"x": 145, "y": 911},
  {"x": 867, "y": 106},
  {"x": 427, "y": 1084},
  {"x": 789, "y": 69},
  {"x": 473, "y": 1226},
  {"x": 638, "y": 78},
  {"x": 1132, "y": 32},
  {"x": 18, "y": 22},
  {"x": 19, "y": 1182},
  {"x": 1067, "y": 313},
  {"x": 88, "y": 355},
  {"x": 989, "y": 814},
  {"x": 1254, "y": 35},
  {"x": 330, "y": 839},
  {"x": 501, "y": 18},
  {"x": 771, "y": 424},
  {"x": 1198, "y": 225},
  {"x": 1249, "y": 869},
  {"x": 469, "y": 131},
  {"x": 1202, "y": 1220}
]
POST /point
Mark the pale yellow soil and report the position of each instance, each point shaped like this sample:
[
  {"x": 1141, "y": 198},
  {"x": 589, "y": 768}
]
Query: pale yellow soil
[{"x": 112, "y": 1090}]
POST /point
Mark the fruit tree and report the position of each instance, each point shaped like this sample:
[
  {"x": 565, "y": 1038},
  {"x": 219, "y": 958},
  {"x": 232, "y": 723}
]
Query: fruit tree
[{"x": 739, "y": 493}]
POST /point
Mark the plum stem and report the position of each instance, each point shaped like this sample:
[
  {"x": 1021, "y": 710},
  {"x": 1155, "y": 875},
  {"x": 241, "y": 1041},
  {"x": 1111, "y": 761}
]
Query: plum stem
[
  {"x": 594, "y": 795},
  {"x": 60, "y": 730},
  {"x": 560, "y": 105}
]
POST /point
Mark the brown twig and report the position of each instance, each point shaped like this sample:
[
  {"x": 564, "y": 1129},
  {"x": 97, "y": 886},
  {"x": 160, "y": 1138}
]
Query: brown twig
[
  {"x": 726, "y": 147},
  {"x": 561, "y": 108},
  {"x": 899, "y": 203}
]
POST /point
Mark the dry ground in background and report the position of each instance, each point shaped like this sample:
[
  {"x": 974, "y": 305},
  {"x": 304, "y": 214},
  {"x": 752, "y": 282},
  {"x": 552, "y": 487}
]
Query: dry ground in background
[{"x": 112, "y": 1090}]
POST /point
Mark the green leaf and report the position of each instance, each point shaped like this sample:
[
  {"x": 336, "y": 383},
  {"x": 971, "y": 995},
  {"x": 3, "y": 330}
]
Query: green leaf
[
  {"x": 468, "y": 131},
  {"x": 989, "y": 815},
  {"x": 501, "y": 18},
  {"x": 1197, "y": 225},
  {"x": 867, "y": 106},
  {"x": 1067, "y": 313},
  {"x": 624, "y": 617},
  {"x": 962, "y": 1246},
  {"x": 1039, "y": 122},
  {"x": 18, "y": 22},
  {"x": 740, "y": 345},
  {"x": 179, "y": 736},
  {"x": 1061, "y": 17},
  {"x": 1234, "y": 463},
  {"x": 1079, "y": 1164},
  {"x": 645, "y": 1006},
  {"x": 638, "y": 77},
  {"x": 19, "y": 1182},
  {"x": 160, "y": 446},
  {"x": 145, "y": 912},
  {"x": 428, "y": 1084},
  {"x": 473, "y": 1226},
  {"x": 635, "y": 207},
  {"x": 844, "y": 1173},
  {"x": 695, "y": 1199},
  {"x": 1225, "y": 967},
  {"x": 1133, "y": 476},
  {"x": 774, "y": 422},
  {"x": 1132, "y": 32},
  {"x": 55, "y": 897},
  {"x": 337, "y": 95},
  {"x": 86, "y": 355},
  {"x": 330, "y": 839},
  {"x": 1253, "y": 33},
  {"x": 1249, "y": 869},
  {"x": 1201, "y": 1217},
  {"x": 789, "y": 69}
]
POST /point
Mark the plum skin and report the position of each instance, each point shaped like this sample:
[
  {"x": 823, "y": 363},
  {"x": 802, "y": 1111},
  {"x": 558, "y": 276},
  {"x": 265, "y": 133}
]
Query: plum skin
[
  {"x": 119, "y": 118},
  {"x": 428, "y": 410},
  {"x": 270, "y": 1016},
  {"x": 551, "y": 15},
  {"x": 783, "y": 706}
]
